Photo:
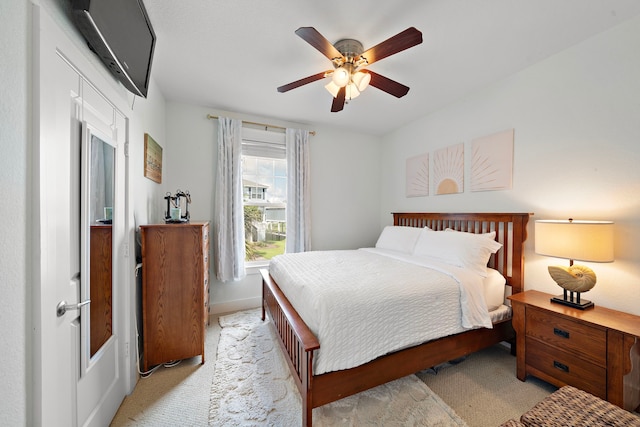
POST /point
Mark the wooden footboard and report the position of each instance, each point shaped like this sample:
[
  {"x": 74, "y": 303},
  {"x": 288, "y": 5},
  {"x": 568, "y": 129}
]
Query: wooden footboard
[
  {"x": 299, "y": 343},
  {"x": 296, "y": 340}
]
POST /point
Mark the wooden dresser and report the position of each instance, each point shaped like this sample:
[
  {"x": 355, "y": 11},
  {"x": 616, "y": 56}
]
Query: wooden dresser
[
  {"x": 175, "y": 291},
  {"x": 596, "y": 349}
]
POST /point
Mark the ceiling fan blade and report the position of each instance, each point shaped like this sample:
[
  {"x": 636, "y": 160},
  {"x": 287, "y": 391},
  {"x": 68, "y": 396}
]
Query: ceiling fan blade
[
  {"x": 338, "y": 101},
  {"x": 387, "y": 85},
  {"x": 301, "y": 82},
  {"x": 401, "y": 41},
  {"x": 317, "y": 40}
]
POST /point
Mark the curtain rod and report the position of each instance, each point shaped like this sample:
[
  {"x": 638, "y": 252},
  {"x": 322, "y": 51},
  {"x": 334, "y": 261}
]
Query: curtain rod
[{"x": 311, "y": 132}]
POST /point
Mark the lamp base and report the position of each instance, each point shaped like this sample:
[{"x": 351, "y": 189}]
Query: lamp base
[{"x": 570, "y": 301}]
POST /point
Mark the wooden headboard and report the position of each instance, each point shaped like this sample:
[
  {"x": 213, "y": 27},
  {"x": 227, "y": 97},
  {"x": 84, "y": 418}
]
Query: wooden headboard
[{"x": 510, "y": 228}]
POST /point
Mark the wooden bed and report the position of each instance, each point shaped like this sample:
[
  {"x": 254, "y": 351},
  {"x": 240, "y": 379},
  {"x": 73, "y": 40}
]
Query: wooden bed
[{"x": 299, "y": 343}]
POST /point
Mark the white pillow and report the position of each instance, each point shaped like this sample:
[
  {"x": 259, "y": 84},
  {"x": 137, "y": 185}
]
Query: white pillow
[
  {"x": 465, "y": 250},
  {"x": 494, "y": 289},
  {"x": 398, "y": 238}
]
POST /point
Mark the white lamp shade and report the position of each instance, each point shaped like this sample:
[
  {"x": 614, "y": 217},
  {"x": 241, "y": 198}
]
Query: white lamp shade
[
  {"x": 351, "y": 91},
  {"x": 332, "y": 88},
  {"x": 361, "y": 80},
  {"x": 340, "y": 76},
  {"x": 590, "y": 241}
]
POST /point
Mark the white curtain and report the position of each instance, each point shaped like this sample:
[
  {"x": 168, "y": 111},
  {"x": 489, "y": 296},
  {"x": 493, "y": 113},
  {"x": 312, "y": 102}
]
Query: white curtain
[
  {"x": 298, "y": 200},
  {"x": 228, "y": 227}
]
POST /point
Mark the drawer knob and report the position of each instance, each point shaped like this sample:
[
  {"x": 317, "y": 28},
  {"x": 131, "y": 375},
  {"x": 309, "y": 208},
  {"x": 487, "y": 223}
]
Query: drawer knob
[
  {"x": 561, "y": 333},
  {"x": 560, "y": 366}
]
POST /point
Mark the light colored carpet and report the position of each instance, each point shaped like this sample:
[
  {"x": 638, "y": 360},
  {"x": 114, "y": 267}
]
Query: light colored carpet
[
  {"x": 252, "y": 385},
  {"x": 483, "y": 388},
  {"x": 173, "y": 396}
]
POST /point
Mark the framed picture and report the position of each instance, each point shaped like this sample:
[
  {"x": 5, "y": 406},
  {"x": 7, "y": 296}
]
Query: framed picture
[
  {"x": 417, "y": 180},
  {"x": 448, "y": 170},
  {"x": 152, "y": 159},
  {"x": 492, "y": 164}
]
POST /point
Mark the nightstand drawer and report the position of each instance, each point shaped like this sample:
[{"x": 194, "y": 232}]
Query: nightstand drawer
[
  {"x": 593, "y": 349},
  {"x": 588, "y": 342},
  {"x": 566, "y": 368}
]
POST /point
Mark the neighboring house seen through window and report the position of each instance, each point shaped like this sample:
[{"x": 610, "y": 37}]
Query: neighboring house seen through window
[{"x": 264, "y": 190}]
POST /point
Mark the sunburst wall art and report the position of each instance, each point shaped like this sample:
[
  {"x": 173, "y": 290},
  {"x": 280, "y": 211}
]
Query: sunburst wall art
[
  {"x": 448, "y": 170},
  {"x": 418, "y": 176},
  {"x": 492, "y": 162}
]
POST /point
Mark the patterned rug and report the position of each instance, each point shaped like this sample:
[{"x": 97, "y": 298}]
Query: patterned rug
[{"x": 252, "y": 386}]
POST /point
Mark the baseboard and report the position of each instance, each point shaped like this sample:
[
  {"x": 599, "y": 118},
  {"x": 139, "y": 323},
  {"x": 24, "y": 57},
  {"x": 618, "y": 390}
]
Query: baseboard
[{"x": 232, "y": 306}]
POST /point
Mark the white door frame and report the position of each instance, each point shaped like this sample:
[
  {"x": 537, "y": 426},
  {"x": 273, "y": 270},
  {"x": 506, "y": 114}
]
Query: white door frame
[{"x": 55, "y": 374}]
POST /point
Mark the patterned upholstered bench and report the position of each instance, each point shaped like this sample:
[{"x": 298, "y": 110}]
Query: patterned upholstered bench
[{"x": 571, "y": 407}]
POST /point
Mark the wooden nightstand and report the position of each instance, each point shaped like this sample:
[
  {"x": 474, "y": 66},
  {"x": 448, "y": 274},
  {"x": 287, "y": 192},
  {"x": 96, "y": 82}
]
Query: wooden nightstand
[{"x": 596, "y": 350}]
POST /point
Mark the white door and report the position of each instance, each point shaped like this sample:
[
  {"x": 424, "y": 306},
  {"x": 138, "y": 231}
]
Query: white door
[
  {"x": 76, "y": 384},
  {"x": 96, "y": 344}
]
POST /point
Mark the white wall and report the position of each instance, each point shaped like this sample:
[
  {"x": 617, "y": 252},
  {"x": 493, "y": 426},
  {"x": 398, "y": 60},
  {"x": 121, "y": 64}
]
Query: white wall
[
  {"x": 344, "y": 183},
  {"x": 345, "y": 187},
  {"x": 14, "y": 229},
  {"x": 576, "y": 117},
  {"x": 150, "y": 118}
]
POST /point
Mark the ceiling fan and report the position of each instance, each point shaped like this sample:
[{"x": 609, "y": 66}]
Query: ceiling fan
[{"x": 349, "y": 78}]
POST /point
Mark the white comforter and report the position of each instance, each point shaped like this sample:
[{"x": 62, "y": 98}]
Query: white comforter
[{"x": 362, "y": 304}]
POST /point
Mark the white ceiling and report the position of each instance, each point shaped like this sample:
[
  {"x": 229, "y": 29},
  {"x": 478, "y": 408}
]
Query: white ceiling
[{"x": 231, "y": 55}]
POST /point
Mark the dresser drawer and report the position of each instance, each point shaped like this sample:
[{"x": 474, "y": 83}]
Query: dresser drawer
[
  {"x": 567, "y": 368},
  {"x": 588, "y": 342}
]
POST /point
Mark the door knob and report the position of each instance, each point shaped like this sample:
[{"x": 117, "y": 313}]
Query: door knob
[{"x": 62, "y": 307}]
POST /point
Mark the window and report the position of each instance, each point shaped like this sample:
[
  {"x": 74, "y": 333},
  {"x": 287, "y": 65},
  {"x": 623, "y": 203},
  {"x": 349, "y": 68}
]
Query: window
[{"x": 264, "y": 189}]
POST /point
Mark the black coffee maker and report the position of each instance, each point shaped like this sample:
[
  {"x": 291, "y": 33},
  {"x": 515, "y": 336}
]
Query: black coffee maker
[{"x": 177, "y": 207}]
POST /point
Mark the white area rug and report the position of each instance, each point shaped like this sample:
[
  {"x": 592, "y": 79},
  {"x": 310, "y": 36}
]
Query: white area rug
[{"x": 252, "y": 386}]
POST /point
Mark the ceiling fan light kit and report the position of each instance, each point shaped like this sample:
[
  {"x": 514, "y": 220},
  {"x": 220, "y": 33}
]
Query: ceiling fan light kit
[
  {"x": 348, "y": 57},
  {"x": 361, "y": 80},
  {"x": 341, "y": 76},
  {"x": 332, "y": 88},
  {"x": 351, "y": 91},
  {"x": 354, "y": 83}
]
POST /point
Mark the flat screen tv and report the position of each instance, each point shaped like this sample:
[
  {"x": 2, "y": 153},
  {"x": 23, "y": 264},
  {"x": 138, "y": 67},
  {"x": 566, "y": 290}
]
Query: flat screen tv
[{"x": 120, "y": 33}]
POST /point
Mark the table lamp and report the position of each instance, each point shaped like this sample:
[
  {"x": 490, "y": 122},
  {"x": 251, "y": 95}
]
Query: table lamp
[{"x": 590, "y": 241}]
